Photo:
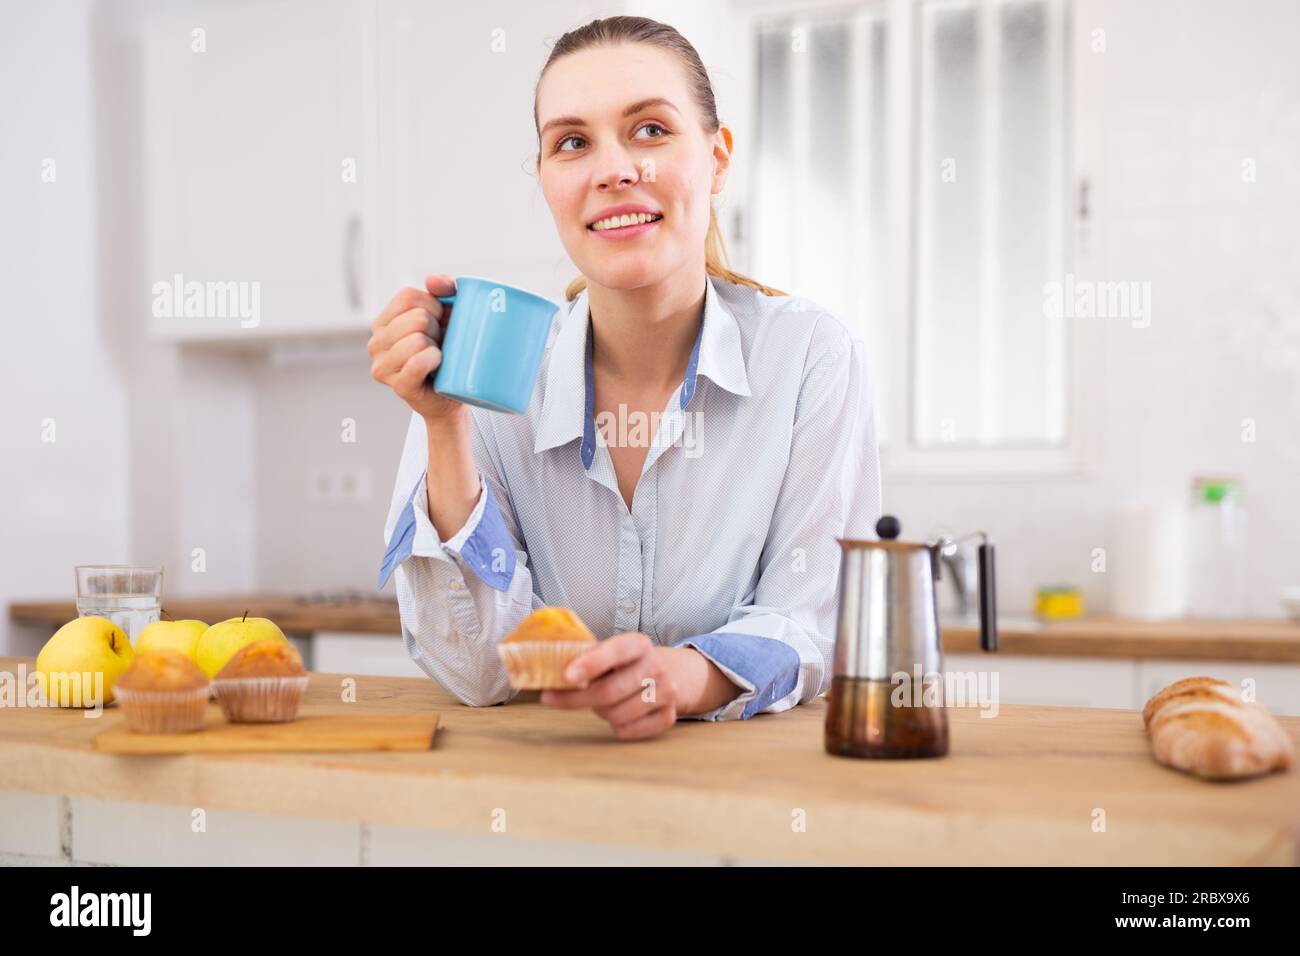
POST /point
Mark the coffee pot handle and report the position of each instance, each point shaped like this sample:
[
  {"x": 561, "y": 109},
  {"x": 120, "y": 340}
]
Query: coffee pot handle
[{"x": 988, "y": 598}]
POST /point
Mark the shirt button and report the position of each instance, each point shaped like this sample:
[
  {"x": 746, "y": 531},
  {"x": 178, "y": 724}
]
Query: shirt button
[
  {"x": 628, "y": 607},
  {"x": 455, "y": 584}
]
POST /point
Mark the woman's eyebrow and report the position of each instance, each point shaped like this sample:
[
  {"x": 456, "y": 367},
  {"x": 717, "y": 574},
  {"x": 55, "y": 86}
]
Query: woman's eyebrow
[{"x": 632, "y": 110}]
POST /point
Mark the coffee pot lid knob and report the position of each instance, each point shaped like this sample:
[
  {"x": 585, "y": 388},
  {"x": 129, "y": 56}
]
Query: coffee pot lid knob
[{"x": 888, "y": 528}]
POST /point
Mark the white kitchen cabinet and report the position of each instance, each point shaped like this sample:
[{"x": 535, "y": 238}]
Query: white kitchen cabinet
[
  {"x": 378, "y": 655},
  {"x": 1276, "y": 686},
  {"x": 314, "y": 156},
  {"x": 1122, "y": 683},
  {"x": 255, "y": 160},
  {"x": 1054, "y": 681}
]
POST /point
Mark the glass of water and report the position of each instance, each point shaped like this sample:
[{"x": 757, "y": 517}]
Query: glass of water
[{"x": 130, "y": 597}]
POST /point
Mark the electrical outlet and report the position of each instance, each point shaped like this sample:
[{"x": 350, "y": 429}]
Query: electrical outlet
[
  {"x": 320, "y": 486},
  {"x": 339, "y": 486},
  {"x": 354, "y": 484}
]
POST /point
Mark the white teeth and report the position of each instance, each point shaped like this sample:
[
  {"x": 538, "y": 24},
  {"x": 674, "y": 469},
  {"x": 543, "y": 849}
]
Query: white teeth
[{"x": 628, "y": 219}]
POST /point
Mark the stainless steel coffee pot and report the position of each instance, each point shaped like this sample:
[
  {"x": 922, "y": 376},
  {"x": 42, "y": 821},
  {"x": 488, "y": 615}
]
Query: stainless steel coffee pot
[{"x": 886, "y": 697}]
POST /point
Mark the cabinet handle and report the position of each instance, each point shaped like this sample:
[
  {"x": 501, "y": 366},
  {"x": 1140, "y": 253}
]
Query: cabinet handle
[{"x": 351, "y": 267}]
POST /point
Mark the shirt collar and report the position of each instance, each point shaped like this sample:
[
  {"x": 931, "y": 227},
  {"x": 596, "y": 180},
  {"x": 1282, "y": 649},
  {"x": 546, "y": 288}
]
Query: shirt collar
[{"x": 569, "y": 404}]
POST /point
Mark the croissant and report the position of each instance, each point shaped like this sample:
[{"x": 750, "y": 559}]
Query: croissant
[{"x": 1200, "y": 725}]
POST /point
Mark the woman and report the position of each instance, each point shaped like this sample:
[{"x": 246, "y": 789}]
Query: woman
[{"x": 695, "y": 442}]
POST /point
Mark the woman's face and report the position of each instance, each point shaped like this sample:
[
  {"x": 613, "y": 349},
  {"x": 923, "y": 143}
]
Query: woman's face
[{"x": 595, "y": 156}]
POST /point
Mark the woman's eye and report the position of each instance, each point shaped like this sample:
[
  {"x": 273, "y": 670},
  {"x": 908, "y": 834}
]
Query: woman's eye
[{"x": 560, "y": 146}]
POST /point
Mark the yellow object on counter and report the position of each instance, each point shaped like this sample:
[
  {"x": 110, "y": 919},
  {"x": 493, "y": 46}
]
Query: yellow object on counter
[{"x": 1056, "y": 603}]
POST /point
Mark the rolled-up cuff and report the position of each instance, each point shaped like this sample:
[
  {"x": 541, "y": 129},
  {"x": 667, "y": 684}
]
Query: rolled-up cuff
[
  {"x": 766, "y": 669},
  {"x": 402, "y": 542},
  {"x": 483, "y": 542}
]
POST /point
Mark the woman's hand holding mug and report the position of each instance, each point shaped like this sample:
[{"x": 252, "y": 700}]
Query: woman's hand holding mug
[{"x": 404, "y": 349}]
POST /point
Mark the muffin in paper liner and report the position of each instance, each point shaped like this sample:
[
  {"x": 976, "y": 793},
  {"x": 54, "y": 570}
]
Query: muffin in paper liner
[
  {"x": 539, "y": 665},
  {"x": 537, "y": 651},
  {"x": 260, "y": 700},
  {"x": 164, "y": 711},
  {"x": 163, "y": 692},
  {"x": 263, "y": 683}
]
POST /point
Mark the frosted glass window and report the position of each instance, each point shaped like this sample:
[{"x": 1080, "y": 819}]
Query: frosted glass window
[
  {"x": 818, "y": 225},
  {"x": 989, "y": 363}
]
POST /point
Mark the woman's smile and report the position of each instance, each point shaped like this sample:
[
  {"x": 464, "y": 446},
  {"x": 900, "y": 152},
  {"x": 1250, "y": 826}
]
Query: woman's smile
[
  {"x": 626, "y": 232},
  {"x": 624, "y": 222}
]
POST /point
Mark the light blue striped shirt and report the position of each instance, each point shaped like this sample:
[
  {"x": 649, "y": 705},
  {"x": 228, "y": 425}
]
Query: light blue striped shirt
[{"x": 760, "y": 461}]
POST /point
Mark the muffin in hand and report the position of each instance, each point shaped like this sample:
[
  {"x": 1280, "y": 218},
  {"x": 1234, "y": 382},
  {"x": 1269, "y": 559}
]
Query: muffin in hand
[
  {"x": 541, "y": 647},
  {"x": 263, "y": 683},
  {"x": 163, "y": 692}
]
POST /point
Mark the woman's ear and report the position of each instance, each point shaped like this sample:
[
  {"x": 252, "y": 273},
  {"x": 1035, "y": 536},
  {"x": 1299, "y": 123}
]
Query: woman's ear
[{"x": 722, "y": 147}]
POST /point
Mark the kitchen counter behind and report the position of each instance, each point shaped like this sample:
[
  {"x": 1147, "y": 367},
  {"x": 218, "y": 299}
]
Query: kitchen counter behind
[
  {"x": 1100, "y": 637},
  {"x": 1029, "y": 786},
  {"x": 293, "y": 615},
  {"x": 1108, "y": 637}
]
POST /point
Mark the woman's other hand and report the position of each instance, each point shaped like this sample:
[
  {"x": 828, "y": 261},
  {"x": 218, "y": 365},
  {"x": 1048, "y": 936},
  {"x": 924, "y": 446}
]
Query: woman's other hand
[{"x": 640, "y": 687}]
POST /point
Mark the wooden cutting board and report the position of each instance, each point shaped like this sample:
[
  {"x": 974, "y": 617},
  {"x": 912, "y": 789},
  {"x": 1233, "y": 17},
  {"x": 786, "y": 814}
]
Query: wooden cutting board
[{"x": 304, "y": 735}]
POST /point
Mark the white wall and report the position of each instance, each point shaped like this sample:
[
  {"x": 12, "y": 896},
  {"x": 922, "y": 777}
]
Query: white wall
[
  {"x": 162, "y": 450},
  {"x": 1189, "y": 89},
  {"x": 153, "y": 450},
  {"x": 305, "y": 545},
  {"x": 64, "y": 501}
]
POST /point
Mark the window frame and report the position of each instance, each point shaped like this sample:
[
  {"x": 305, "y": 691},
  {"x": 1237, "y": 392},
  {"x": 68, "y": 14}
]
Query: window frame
[{"x": 901, "y": 457}]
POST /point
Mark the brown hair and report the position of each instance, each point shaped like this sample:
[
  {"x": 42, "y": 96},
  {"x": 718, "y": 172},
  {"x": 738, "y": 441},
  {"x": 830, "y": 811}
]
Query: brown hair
[{"x": 612, "y": 30}]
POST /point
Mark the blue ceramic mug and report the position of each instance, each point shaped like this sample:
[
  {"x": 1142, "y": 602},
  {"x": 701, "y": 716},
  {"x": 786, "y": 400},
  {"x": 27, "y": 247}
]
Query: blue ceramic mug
[{"x": 494, "y": 344}]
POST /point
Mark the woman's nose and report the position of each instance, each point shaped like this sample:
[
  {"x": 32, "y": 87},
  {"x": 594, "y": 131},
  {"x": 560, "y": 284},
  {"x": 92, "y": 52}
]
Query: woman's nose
[{"x": 614, "y": 169}]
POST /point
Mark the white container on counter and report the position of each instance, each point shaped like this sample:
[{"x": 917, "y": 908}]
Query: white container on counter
[
  {"x": 1148, "y": 574},
  {"x": 1216, "y": 548}
]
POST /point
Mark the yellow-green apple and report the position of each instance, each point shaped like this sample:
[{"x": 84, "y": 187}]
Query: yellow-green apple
[
  {"x": 219, "y": 642},
  {"x": 79, "y": 650},
  {"x": 180, "y": 636}
]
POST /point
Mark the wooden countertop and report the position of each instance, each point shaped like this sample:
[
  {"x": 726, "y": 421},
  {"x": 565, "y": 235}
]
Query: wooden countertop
[
  {"x": 1191, "y": 639},
  {"x": 1023, "y": 787},
  {"x": 1100, "y": 637}
]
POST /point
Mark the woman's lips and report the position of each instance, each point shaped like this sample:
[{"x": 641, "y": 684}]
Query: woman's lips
[{"x": 625, "y": 232}]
